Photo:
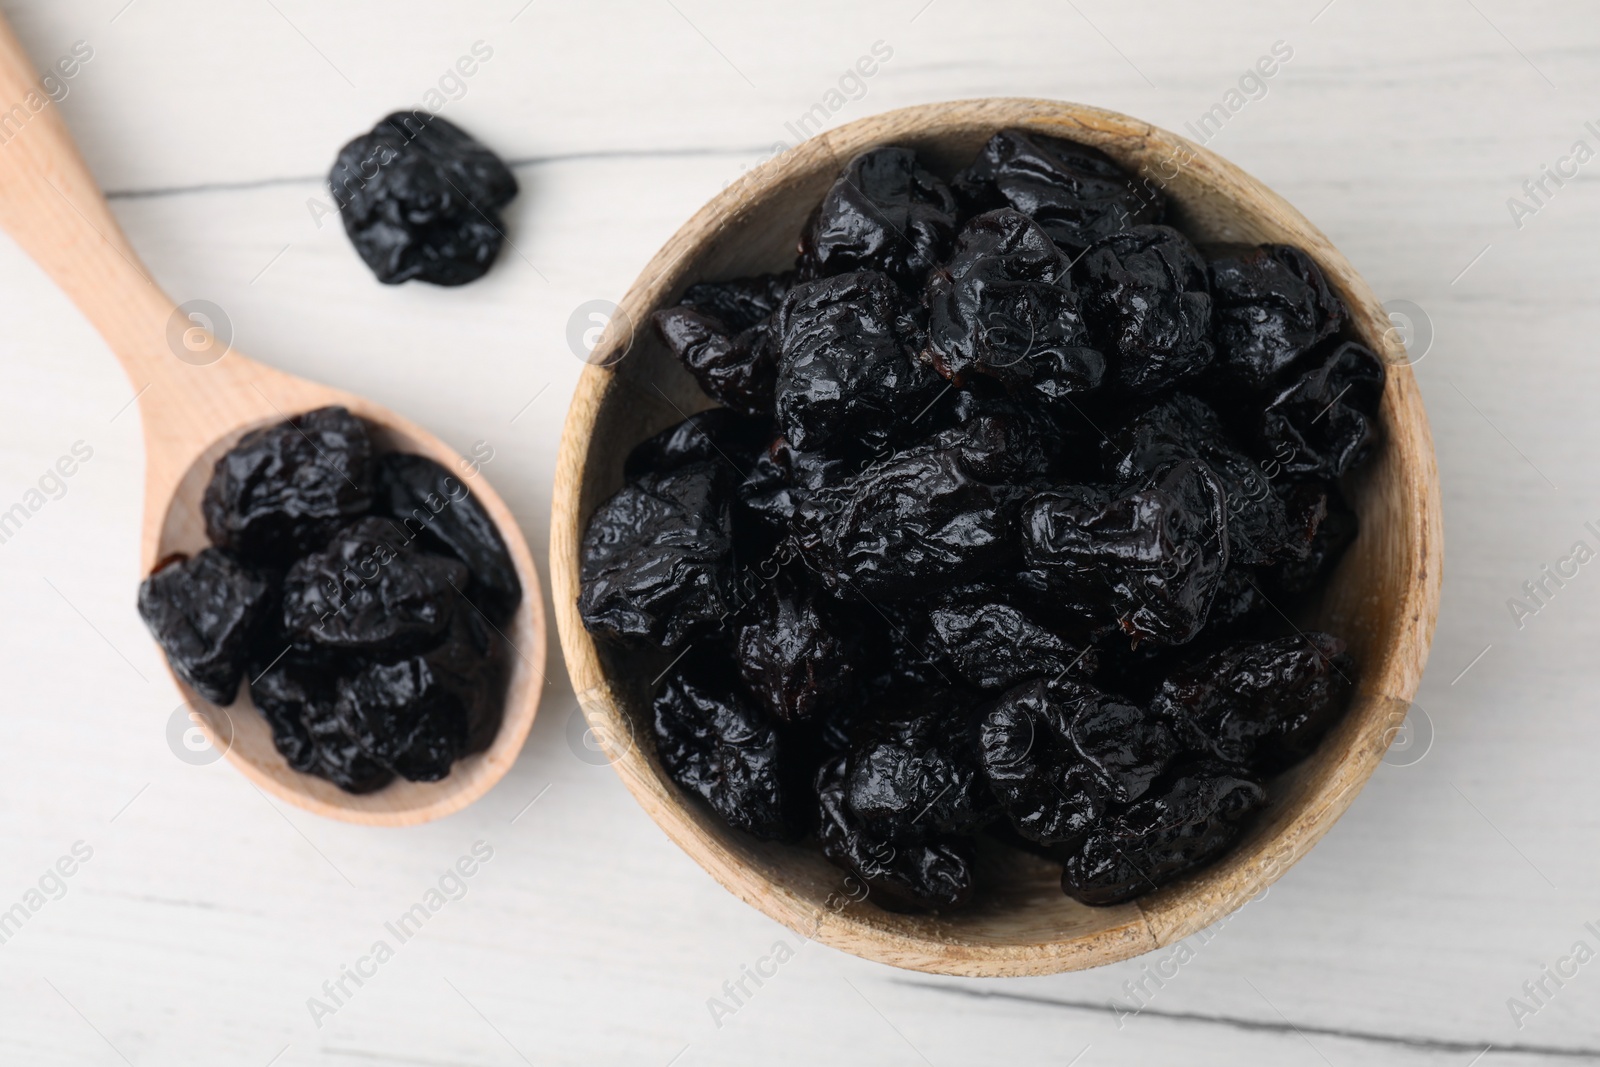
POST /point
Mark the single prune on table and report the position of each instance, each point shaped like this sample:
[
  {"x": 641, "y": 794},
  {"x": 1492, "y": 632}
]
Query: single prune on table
[
  {"x": 1325, "y": 423},
  {"x": 1262, "y": 705},
  {"x": 420, "y": 198},
  {"x": 716, "y": 435},
  {"x": 1003, "y": 307},
  {"x": 846, "y": 376},
  {"x": 370, "y": 591},
  {"x": 1184, "y": 427},
  {"x": 1153, "y": 554},
  {"x": 1272, "y": 306},
  {"x": 885, "y": 213},
  {"x": 713, "y": 742},
  {"x": 284, "y": 489},
  {"x": 1188, "y": 820},
  {"x": 1147, "y": 305},
  {"x": 738, "y": 368},
  {"x": 1059, "y": 754},
  {"x": 794, "y": 654},
  {"x": 906, "y": 527},
  {"x": 993, "y": 641},
  {"x": 1325, "y": 524},
  {"x": 899, "y": 877},
  {"x": 1076, "y": 193},
  {"x": 741, "y": 303},
  {"x": 427, "y": 500},
  {"x": 657, "y": 557},
  {"x": 204, "y": 611},
  {"x": 918, "y": 778}
]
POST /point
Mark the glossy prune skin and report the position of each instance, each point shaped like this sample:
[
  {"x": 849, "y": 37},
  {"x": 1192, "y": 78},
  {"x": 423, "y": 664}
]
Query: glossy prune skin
[
  {"x": 917, "y": 778},
  {"x": 1184, "y": 427},
  {"x": 1188, "y": 820},
  {"x": 1003, "y": 307},
  {"x": 931, "y": 875},
  {"x": 738, "y": 368},
  {"x": 1146, "y": 299},
  {"x": 1326, "y": 422},
  {"x": 657, "y": 557},
  {"x": 204, "y": 612},
  {"x": 741, "y": 303},
  {"x": 1262, "y": 705},
  {"x": 1272, "y": 306},
  {"x": 1325, "y": 524},
  {"x": 716, "y": 435},
  {"x": 1153, "y": 555},
  {"x": 993, "y": 641},
  {"x": 1076, "y": 193},
  {"x": 1059, "y": 754},
  {"x": 846, "y": 376},
  {"x": 370, "y": 591},
  {"x": 714, "y": 743},
  {"x": 906, "y": 527},
  {"x": 284, "y": 489},
  {"x": 427, "y": 500},
  {"x": 420, "y": 198},
  {"x": 795, "y": 657},
  {"x": 297, "y": 702},
  {"x": 885, "y": 213}
]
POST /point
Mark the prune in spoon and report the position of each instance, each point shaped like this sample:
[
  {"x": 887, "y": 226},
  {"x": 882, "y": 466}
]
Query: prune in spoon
[
  {"x": 204, "y": 611},
  {"x": 885, "y": 213}
]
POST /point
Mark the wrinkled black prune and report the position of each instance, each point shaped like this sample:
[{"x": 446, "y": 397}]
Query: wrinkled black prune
[
  {"x": 298, "y": 704},
  {"x": 1147, "y": 304},
  {"x": 1262, "y": 704},
  {"x": 1058, "y": 753},
  {"x": 1272, "y": 306},
  {"x": 738, "y": 368},
  {"x": 796, "y": 660},
  {"x": 370, "y": 591},
  {"x": 657, "y": 557},
  {"x": 284, "y": 489},
  {"x": 1076, "y": 193},
  {"x": 885, "y": 213},
  {"x": 1325, "y": 423},
  {"x": 994, "y": 642},
  {"x": 1004, "y": 307},
  {"x": 899, "y": 877},
  {"x": 1325, "y": 524},
  {"x": 421, "y": 199},
  {"x": 846, "y": 378},
  {"x": 1153, "y": 554},
  {"x": 204, "y": 612},
  {"x": 1189, "y": 820},
  {"x": 741, "y": 303},
  {"x": 426, "y": 499},
  {"x": 716, "y": 435},
  {"x": 714, "y": 742},
  {"x": 917, "y": 778}
]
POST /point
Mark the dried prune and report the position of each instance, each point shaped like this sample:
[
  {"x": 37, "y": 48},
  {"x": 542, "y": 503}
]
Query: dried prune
[
  {"x": 738, "y": 368},
  {"x": 846, "y": 379},
  {"x": 885, "y": 213},
  {"x": 1189, "y": 820},
  {"x": 371, "y": 592},
  {"x": 1272, "y": 306},
  {"x": 204, "y": 612},
  {"x": 906, "y": 526},
  {"x": 1325, "y": 524},
  {"x": 716, "y": 435},
  {"x": 420, "y": 198},
  {"x": 1076, "y": 193},
  {"x": 1325, "y": 423},
  {"x": 1154, "y": 555},
  {"x": 1262, "y": 704},
  {"x": 1004, "y": 307},
  {"x": 284, "y": 489},
  {"x": 298, "y": 704},
  {"x": 994, "y": 642},
  {"x": 796, "y": 660},
  {"x": 1147, "y": 306},
  {"x": 918, "y": 778},
  {"x": 714, "y": 743},
  {"x": 657, "y": 557},
  {"x": 1058, "y": 753},
  {"x": 899, "y": 877},
  {"x": 741, "y": 303},
  {"x": 427, "y": 500}
]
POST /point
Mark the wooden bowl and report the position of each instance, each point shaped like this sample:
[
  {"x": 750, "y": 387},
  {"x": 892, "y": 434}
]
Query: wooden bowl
[{"x": 1382, "y": 599}]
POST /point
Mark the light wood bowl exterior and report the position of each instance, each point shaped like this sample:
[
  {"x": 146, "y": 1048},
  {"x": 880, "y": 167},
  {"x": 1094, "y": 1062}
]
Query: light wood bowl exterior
[
  {"x": 1382, "y": 600},
  {"x": 193, "y": 411}
]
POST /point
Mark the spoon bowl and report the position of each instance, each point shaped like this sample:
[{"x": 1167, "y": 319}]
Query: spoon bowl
[{"x": 196, "y": 398}]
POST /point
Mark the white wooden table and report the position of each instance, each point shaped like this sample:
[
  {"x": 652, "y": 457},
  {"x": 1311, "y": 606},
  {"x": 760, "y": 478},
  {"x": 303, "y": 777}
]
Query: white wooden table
[{"x": 206, "y": 916}]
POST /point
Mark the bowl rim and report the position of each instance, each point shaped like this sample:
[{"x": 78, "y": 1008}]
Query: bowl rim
[{"x": 1384, "y": 692}]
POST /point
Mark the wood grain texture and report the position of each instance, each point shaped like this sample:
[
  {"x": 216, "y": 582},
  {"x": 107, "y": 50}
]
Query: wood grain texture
[
  {"x": 1383, "y": 598},
  {"x": 197, "y": 398}
]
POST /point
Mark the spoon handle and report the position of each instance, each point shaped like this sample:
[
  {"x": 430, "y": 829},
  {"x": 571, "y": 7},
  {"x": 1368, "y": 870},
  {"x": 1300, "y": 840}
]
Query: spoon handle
[{"x": 189, "y": 390}]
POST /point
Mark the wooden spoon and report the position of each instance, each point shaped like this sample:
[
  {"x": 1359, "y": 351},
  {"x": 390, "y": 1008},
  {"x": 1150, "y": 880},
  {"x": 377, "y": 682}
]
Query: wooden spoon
[{"x": 196, "y": 399}]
